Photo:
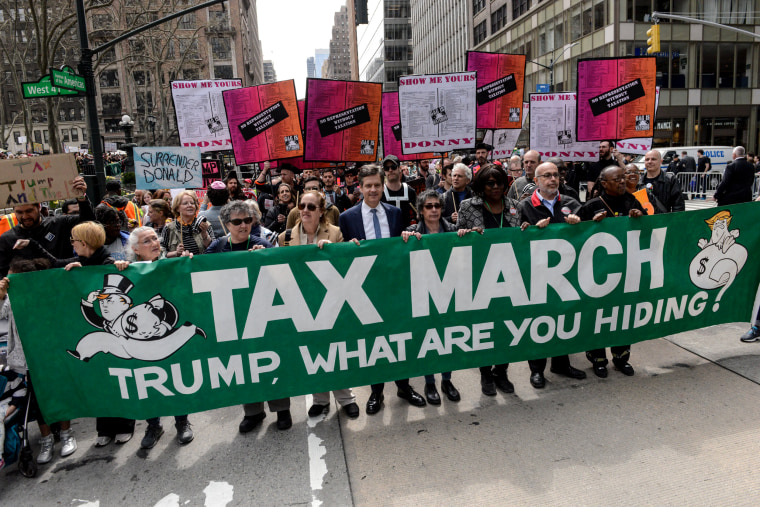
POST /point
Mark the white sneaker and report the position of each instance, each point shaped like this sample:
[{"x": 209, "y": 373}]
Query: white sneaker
[
  {"x": 123, "y": 438},
  {"x": 68, "y": 443},
  {"x": 103, "y": 441},
  {"x": 46, "y": 449}
]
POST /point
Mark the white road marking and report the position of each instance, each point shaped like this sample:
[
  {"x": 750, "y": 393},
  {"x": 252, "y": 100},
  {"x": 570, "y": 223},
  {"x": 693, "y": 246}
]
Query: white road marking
[
  {"x": 170, "y": 500},
  {"x": 86, "y": 503},
  {"x": 317, "y": 451},
  {"x": 218, "y": 494}
]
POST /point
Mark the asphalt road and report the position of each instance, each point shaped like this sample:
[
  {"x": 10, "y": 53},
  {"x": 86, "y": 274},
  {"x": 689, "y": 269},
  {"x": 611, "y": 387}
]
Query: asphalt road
[{"x": 682, "y": 431}]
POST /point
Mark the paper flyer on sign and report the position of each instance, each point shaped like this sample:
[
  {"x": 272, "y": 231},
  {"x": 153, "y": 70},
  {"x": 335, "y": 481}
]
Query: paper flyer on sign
[
  {"x": 264, "y": 122},
  {"x": 505, "y": 140},
  {"x": 437, "y": 112},
  {"x": 499, "y": 94},
  {"x": 552, "y": 128},
  {"x": 392, "y": 130},
  {"x": 616, "y": 98},
  {"x": 201, "y": 118},
  {"x": 342, "y": 120},
  {"x": 639, "y": 145}
]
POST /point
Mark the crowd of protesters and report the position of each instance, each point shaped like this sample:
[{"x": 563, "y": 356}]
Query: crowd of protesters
[{"x": 337, "y": 204}]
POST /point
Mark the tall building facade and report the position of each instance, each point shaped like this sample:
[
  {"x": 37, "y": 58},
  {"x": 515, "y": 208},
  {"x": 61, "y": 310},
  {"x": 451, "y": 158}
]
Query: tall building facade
[
  {"x": 134, "y": 77},
  {"x": 710, "y": 91},
  {"x": 385, "y": 43},
  {"x": 320, "y": 56},
  {"x": 338, "y": 63},
  {"x": 311, "y": 70},
  {"x": 270, "y": 76},
  {"x": 440, "y": 35}
]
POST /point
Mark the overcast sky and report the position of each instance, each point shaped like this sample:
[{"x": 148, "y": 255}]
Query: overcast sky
[{"x": 290, "y": 31}]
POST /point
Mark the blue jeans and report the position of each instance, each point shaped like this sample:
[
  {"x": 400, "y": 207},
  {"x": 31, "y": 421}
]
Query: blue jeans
[
  {"x": 430, "y": 379},
  {"x": 156, "y": 421}
]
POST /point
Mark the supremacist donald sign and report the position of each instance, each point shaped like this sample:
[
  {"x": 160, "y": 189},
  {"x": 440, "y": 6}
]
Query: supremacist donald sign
[{"x": 185, "y": 335}]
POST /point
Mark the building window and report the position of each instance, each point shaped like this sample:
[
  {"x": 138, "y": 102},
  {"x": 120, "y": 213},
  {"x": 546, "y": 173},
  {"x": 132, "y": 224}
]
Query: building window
[
  {"x": 520, "y": 7},
  {"x": 12, "y": 98},
  {"x": 191, "y": 74},
  {"x": 599, "y": 20},
  {"x": 38, "y": 137},
  {"x": 498, "y": 19},
  {"x": 189, "y": 48},
  {"x": 101, "y": 21},
  {"x": 479, "y": 32},
  {"x": 220, "y": 48},
  {"x": 398, "y": 32},
  {"x": 218, "y": 20},
  {"x": 397, "y": 9},
  {"x": 75, "y": 134},
  {"x": 144, "y": 102},
  {"x": 62, "y": 114},
  {"x": 81, "y": 113},
  {"x": 111, "y": 103},
  {"x": 187, "y": 22},
  {"x": 575, "y": 24},
  {"x": 109, "y": 78},
  {"x": 110, "y": 126},
  {"x": 16, "y": 135},
  {"x": 65, "y": 135},
  {"x": 223, "y": 71},
  {"x": 141, "y": 77},
  {"x": 478, "y": 5}
]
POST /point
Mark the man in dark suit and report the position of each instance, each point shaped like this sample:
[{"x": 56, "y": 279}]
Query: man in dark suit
[
  {"x": 373, "y": 219},
  {"x": 737, "y": 180}
]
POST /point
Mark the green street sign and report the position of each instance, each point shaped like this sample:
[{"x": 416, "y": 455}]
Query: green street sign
[
  {"x": 67, "y": 79},
  {"x": 43, "y": 88}
]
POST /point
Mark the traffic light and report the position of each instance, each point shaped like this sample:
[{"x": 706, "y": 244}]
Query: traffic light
[{"x": 653, "y": 42}]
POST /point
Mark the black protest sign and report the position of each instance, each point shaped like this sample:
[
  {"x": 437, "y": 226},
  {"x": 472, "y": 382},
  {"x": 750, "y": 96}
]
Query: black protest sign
[
  {"x": 259, "y": 123},
  {"x": 617, "y": 97},
  {"x": 496, "y": 89},
  {"x": 343, "y": 120}
]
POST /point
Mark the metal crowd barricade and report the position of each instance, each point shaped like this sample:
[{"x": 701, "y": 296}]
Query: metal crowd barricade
[
  {"x": 697, "y": 185},
  {"x": 756, "y": 186}
]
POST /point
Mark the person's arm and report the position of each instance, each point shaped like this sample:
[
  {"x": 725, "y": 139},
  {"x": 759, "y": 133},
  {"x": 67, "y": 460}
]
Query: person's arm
[{"x": 39, "y": 251}]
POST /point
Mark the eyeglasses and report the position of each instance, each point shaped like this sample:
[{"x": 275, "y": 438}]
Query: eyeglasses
[
  {"x": 238, "y": 221},
  {"x": 390, "y": 167},
  {"x": 309, "y": 206},
  {"x": 494, "y": 183},
  {"x": 549, "y": 176},
  {"x": 74, "y": 240},
  {"x": 619, "y": 178},
  {"x": 432, "y": 205}
]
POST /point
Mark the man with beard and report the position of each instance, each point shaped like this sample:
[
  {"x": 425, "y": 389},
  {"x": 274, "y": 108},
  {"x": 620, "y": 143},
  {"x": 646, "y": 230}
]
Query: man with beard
[
  {"x": 608, "y": 155},
  {"x": 614, "y": 201},
  {"x": 548, "y": 206},
  {"x": 397, "y": 193},
  {"x": 52, "y": 233}
]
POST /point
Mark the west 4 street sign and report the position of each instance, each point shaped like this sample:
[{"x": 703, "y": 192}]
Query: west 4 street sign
[
  {"x": 43, "y": 88},
  {"x": 67, "y": 79}
]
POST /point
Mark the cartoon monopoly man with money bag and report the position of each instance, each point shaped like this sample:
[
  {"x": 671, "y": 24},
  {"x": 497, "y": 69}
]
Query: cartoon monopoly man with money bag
[{"x": 146, "y": 331}]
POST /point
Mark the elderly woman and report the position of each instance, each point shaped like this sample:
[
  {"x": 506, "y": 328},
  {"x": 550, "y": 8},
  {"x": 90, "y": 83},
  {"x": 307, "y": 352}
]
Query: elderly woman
[
  {"x": 159, "y": 214},
  {"x": 488, "y": 209},
  {"x": 258, "y": 229},
  {"x": 238, "y": 219},
  {"x": 88, "y": 239},
  {"x": 146, "y": 247},
  {"x": 461, "y": 175},
  {"x": 430, "y": 221},
  {"x": 633, "y": 185},
  {"x": 276, "y": 218},
  {"x": 189, "y": 233},
  {"x": 313, "y": 229}
]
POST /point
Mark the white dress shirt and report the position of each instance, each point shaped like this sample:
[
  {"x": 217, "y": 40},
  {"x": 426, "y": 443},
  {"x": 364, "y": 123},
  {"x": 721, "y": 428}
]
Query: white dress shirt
[{"x": 369, "y": 224}]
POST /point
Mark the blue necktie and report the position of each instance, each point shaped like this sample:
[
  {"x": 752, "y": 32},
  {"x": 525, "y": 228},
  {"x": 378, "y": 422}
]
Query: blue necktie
[{"x": 376, "y": 223}]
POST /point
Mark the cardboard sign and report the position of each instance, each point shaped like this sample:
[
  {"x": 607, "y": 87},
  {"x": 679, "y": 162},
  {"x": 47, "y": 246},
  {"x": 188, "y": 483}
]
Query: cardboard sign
[
  {"x": 201, "y": 117},
  {"x": 265, "y": 123},
  {"x": 168, "y": 167},
  {"x": 211, "y": 172},
  {"x": 501, "y": 81},
  {"x": 36, "y": 179},
  {"x": 438, "y": 112},
  {"x": 392, "y": 130},
  {"x": 616, "y": 98},
  {"x": 342, "y": 120}
]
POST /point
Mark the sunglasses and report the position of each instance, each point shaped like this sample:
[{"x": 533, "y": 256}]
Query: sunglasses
[
  {"x": 433, "y": 205},
  {"x": 390, "y": 168},
  {"x": 238, "y": 221},
  {"x": 310, "y": 206},
  {"x": 494, "y": 183}
]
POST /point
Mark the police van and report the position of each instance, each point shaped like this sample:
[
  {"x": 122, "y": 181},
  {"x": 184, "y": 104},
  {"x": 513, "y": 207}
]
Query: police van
[{"x": 720, "y": 156}]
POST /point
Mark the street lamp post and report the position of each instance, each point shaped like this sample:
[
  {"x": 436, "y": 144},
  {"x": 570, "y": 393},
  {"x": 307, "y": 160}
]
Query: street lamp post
[
  {"x": 152, "y": 123},
  {"x": 127, "y": 124},
  {"x": 550, "y": 67}
]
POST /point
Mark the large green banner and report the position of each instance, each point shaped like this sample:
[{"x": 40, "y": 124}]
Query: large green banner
[{"x": 185, "y": 335}]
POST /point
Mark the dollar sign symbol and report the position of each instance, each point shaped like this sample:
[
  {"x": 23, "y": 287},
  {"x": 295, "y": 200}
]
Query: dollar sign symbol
[
  {"x": 131, "y": 327},
  {"x": 702, "y": 265}
]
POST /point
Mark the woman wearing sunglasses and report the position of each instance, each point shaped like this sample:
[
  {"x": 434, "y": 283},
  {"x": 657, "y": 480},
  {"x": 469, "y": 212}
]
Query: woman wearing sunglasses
[
  {"x": 312, "y": 229},
  {"x": 430, "y": 221},
  {"x": 237, "y": 219},
  {"x": 488, "y": 209}
]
